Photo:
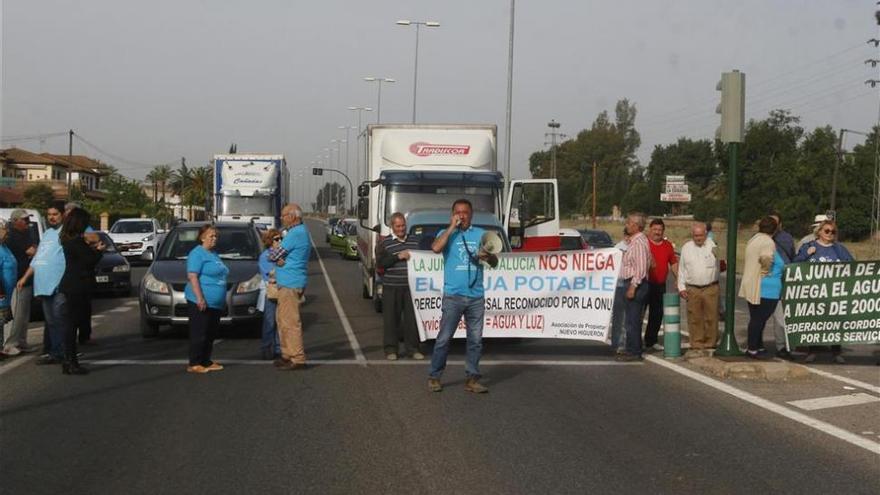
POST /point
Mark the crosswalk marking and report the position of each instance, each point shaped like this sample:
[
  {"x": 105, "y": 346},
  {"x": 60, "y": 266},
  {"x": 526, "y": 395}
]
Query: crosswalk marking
[{"x": 834, "y": 401}]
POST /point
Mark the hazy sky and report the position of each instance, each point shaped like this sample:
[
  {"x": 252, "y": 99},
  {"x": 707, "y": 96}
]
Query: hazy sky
[{"x": 152, "y": 81}]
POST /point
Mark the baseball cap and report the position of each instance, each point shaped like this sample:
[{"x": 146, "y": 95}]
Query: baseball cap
[
  {"x": 19, "y": 213},
  {"x": 819, "y": 219}
]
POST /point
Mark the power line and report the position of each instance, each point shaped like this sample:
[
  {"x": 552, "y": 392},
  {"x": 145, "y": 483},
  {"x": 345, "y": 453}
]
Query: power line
[
  {"x": 31, "y": 137},
  {"x": 134, "y": 163}
]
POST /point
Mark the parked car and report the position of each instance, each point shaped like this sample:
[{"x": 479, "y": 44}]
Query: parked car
[
  {"x": 161, "y": 297},
  {"x": 137, "y": 238},
  {"x": 113, "y": 272},
  {"x": 596, "y": 239},
  {"x": 344, "y": 238},
  {"x": 571, "y": 240},
  {"x": 331, "y": 224}
]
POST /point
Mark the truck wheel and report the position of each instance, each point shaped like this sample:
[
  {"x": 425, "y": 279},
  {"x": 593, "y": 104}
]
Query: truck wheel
[{"x": 149, "y": 330}]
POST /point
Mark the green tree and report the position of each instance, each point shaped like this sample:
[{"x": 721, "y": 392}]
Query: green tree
[
  {"x": 38, "y": 197},
  {"x": 693, "y": 159}
]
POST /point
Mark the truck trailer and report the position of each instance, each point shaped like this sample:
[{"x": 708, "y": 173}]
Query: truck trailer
[{"x": 250, "y": 187}]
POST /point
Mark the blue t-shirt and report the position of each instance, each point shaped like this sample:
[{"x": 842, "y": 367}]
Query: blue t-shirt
[
  {"x": 8, "y": 275},
  {"x": 771, "y": 284},
  {"x": 265, "y": 264},
  {"x": 212, "y": 277},
  {"x": 834, "y": 252},
  {"x": 48, "y": 264},
  {"x": 298, "y": 245},
  {"x": 461, "y": 275}
]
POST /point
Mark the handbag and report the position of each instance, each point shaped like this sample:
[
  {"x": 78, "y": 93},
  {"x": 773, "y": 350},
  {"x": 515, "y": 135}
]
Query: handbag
[{"x": 272, "y": 291}]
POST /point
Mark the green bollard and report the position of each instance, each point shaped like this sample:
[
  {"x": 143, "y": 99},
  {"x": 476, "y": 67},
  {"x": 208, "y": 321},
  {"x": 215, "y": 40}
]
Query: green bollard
[{"x": 671, "y": 326}]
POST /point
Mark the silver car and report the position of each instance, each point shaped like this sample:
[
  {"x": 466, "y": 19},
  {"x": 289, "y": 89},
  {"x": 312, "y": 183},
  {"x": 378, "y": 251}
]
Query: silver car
[{"x": 161, "y": 292}]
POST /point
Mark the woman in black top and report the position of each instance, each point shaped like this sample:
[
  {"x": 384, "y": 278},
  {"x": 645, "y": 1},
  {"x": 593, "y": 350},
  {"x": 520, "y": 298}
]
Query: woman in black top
[{"x": 80, "y": 255}]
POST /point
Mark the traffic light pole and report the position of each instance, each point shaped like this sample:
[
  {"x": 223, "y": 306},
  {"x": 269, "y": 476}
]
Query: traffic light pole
[
  {"x": 728, "y": 345},
  {"x": 321, "y": 170}
]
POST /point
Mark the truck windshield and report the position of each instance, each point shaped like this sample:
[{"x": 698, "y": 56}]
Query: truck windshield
[
  {"x": 406, "y": 198},
  {"x": 247, "y": 206}
]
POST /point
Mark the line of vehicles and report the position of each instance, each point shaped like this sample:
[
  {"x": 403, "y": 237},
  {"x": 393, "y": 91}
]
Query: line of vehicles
[{"x": 418, "y": 170}]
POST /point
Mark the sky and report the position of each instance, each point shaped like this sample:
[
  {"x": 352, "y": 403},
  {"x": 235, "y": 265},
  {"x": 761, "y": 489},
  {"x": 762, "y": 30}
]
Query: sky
[{"x": 149, "y": 82}]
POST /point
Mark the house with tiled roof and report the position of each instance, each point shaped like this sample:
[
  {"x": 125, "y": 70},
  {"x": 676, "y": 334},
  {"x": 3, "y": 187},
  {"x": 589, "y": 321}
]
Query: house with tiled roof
[{"x": 20, "y": 169}]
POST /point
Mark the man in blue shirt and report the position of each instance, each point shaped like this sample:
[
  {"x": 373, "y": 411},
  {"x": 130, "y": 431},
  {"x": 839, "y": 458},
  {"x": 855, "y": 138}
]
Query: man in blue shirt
[
  {"x": 46, "y": 269},
  {"x": 291, "y": 276},
  {"x": 462, "y": 295}
]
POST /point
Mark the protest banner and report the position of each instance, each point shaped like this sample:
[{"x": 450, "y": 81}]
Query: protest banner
[
  {"x": 565, "y": 294},
  {"x": 832, "y": 303}
]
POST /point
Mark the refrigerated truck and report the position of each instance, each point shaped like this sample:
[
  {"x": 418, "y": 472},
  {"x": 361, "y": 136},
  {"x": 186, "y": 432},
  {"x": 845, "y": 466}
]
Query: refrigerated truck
[
  {"x": 418, "y": 167},
  {"x": 250, "y": 187}
]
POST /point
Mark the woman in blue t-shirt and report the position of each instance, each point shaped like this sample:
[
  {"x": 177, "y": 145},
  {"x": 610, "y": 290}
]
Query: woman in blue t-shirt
[
  {"x": 824, "y": 249},
  {"x": 206, "y": 297},
  {"x": 270, "y": 346},
  {"x": 8, "y": 275}
]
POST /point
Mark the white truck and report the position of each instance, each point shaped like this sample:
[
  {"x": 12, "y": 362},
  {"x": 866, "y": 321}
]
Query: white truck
[
  {"x": 422, "y": 167},
  {"x": 250, "y": 187}
]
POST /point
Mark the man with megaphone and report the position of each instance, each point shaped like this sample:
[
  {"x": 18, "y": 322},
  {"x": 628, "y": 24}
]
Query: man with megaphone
[{"x": 463, "y": 252}]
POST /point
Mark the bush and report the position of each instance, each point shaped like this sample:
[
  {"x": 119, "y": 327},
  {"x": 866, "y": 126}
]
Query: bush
[{"x": 38, "y": 197}]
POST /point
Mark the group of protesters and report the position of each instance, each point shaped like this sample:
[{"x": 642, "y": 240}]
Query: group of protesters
[
  {"x": 58, "y": 269},
  {"x": 648, "y": 259}
]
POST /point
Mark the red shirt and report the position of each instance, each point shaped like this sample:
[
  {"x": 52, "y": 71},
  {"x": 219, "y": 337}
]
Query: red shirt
[{"x": 663, "y": 255}]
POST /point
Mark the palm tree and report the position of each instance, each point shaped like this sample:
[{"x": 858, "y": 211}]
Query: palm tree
[
  {"x": 201, "y": 179},
  {"x": 152, "y": 178},
  {"x": 161, "y": 175},
  {"x": 179, "y": 183}
]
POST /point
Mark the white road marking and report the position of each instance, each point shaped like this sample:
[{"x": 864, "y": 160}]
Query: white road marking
[
  {"x": 357, "y": 362},
  {"x": 867, "y": 433},
  {"x": 848, "y": 388},
  {"x": 122, "y": 309},
  {"x": 352, "y": 339},
  {"x": 851, "y": 381},
  {"x": 791, "y": 414},
  {"x": 834, "y": 401},
  {"x": 133, "y": 302}
]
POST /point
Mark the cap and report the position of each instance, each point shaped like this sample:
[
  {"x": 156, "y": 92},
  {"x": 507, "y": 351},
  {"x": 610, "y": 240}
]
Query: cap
[
  {"x": 819, "y": 219},
  {"x": 19, "y": 213}
]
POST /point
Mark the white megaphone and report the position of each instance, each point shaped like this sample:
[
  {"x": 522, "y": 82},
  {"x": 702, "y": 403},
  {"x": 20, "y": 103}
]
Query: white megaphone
[{"x": 491, "y": 244}]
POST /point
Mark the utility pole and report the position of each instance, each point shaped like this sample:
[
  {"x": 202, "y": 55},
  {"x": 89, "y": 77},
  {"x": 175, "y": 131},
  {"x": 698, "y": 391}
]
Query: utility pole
[
  {"x": 553, "y": 135},
  {"x": 509, "y": 116},
  {"x": 70, "y": 156},
  {"x": 595, "y": 175}
]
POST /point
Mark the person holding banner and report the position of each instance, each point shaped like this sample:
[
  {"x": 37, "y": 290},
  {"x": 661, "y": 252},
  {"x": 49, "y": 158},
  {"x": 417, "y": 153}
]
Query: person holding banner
[
  {"x": 761, "y": 283},
  {"x": 825, "y": 249},
  {"x": 785, "y": 247},
  {"x": 397, "y": 308},
  {"x": 618, "y": 337},
  {"x": 462, "y": 295},
  {"x": 634, "y": 273}
]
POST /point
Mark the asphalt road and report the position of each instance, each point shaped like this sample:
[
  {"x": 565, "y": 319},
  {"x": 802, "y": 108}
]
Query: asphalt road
[{"x": 577, "y": 422}]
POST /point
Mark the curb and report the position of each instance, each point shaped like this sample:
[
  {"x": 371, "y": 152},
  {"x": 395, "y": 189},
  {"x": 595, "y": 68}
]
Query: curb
[{"x": 749, "y": 369}]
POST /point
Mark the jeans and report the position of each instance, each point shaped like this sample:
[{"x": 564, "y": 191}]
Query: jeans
[
  {"x": 634, "y": 308},
  {"x": 53, "y": 328},
  {"x": 758, "y": 316},
  {"x": 618, "y": 337},
  {"x": 655, "y": 312},
  {"x": 453, "y": 308},
  {"x": 270, "y": 328},
  {"x": 779, "y": 327}
]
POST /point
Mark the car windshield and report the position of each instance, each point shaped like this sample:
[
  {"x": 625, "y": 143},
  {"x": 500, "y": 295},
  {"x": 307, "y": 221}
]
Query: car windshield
[
  {"x": 132, "y": 228},
  {"x": 247, "y": 206},
  {"x": 427, "y": 233},
  {"x": 597, "y": 238},
  {"x": 111, "y": 248},
  {"x": 406, "y": 198},
  {"x": 233, "y": 243}
]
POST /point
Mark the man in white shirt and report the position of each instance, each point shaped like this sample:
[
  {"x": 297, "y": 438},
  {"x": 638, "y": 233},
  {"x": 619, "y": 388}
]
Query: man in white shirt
[{"x": 698, "y": 285}]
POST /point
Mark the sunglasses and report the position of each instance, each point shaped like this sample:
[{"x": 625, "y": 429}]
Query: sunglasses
[
  {"x": 276, "y": 239},
  {"x": 829, "y": 231}
]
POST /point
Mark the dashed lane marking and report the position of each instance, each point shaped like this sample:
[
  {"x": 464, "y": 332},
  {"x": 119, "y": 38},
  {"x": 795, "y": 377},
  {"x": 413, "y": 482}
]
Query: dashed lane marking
[
  {"x": 839, "y": 433},
  {"x": 6, "y": 368},
  {"x": 834, "y": 401},
  {"x": 352, "y": 339}
]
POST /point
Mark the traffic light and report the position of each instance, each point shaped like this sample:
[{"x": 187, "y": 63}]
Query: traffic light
[
  {"x": 317, "y": 171},
  {"x": 732, "y": 107}
]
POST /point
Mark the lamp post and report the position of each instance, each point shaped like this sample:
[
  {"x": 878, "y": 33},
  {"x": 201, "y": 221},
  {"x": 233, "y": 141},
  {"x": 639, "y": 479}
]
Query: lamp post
[
  {"x": 347, "y": 129},
  {"x": 509, "y": 116},
  {"x": 338, "y": 143},
  {"x": 379, "y": 81},
  {"x": 417, "y": 24},
  {"x": 360, "y": 111}
]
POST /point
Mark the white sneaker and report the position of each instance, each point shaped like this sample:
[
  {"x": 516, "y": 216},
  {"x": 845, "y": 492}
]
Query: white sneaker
[
  {"x": 11, "y": 350},
  {"x": 657, "y": 347}
]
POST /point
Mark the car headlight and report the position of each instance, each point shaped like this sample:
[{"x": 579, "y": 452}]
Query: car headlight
[
  {"x": 122, "y": 268},
  {"x": 250, "y": 285},
  {"x": 153, "y": 284},
  {"x": 148, "y": 238}
]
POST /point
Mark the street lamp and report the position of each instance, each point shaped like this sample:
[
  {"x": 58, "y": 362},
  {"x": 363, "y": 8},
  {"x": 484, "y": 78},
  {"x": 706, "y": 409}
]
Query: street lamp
[
  {"x": 509, "y": 117},
  {"x": 360, "y": 111},
  {"x": 347, "y": 128},
  {"x": 417, "y": 24},
  {"x": 338, "y": 143},
  {"x": 379, "y": 80}
]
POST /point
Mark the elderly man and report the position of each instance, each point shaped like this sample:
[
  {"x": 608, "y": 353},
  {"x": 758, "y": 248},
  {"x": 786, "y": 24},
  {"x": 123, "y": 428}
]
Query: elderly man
[
  {"x": 23, "y": 245},
  {"x": 698, "y": 285},
  {"x": 634, "y": 273},
  {"x": 397, "y": 310},
  {"x": 291, "y": 276}
]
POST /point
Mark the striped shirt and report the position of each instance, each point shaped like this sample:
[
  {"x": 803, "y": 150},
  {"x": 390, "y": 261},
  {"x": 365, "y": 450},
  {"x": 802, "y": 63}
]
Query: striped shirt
[
  {"x": 635, "y": 260},
  {"x": 396, "y": 274}
]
